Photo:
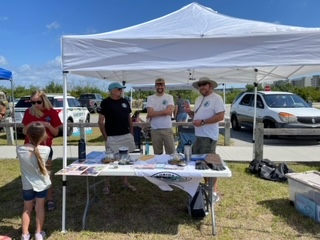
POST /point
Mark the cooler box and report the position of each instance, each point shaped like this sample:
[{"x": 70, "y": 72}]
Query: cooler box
[
  {"x": 304, "y": 192},
  {"x": 306, "y": 184}
]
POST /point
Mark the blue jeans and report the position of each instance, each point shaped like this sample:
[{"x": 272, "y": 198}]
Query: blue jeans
[{"x": 182, "y": 117}]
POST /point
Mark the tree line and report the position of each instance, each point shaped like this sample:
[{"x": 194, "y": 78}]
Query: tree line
[{"x": 308, "y": 93}]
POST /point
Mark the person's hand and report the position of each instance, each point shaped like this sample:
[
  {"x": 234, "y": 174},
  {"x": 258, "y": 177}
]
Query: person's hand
[
  {"x": 197, "y": 123},
  {"x": 169, "y": 110},
  {"x": 46, "y": 124}
]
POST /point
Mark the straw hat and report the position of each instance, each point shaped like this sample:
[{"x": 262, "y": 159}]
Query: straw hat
[{"x": 213, "y": 83}]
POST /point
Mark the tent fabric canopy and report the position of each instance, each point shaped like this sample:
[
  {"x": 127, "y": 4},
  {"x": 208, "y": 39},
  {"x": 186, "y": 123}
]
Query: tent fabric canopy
[
  {"x": 5, "y": 74},
  {"x": 192, "y": 42}
]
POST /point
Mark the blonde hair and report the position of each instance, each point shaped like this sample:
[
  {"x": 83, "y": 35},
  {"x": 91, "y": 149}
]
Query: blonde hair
[
  {"x": 45, "y": 101},
  {"x": 36, "y": 133}
]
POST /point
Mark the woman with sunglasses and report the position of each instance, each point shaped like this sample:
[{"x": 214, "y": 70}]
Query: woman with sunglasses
[{"x": 42, "y": 111}]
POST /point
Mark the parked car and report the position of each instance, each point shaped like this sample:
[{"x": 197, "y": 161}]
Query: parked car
[
  {"x": 275, "y": 109},
  {"x": 91, "y": 101},
  {"x": 75, "y": 111}
]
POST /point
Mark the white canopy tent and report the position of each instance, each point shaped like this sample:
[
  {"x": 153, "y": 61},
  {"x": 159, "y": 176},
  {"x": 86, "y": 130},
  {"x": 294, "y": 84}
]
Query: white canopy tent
[
  {"x": 189, "y": 43},
  {"x": 192, "y": 42}
]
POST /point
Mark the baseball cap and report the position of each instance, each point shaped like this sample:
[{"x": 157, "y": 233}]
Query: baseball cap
[{"x": 115, "y": 85}]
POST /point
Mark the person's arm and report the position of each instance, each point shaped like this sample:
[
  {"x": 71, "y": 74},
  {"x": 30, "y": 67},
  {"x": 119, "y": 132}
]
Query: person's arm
[
  {"x": 54, "y": 130},
  {"x": 214, "y": 119},
  {"x": 176, "y": 112},
  {"x": 168, "y": 111},
  {"x": 101, "y": 120},
  {"x": 130, "y": 125}
]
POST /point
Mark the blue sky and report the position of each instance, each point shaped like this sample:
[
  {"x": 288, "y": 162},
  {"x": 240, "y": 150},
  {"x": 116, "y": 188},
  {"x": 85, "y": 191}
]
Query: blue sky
[{"x": 30, "y": 30}]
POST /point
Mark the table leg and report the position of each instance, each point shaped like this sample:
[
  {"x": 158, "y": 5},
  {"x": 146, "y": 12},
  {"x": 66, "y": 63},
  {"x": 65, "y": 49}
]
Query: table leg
[
  {"x": 88, "y": 201},
  {"x": 212, "y": 202}
]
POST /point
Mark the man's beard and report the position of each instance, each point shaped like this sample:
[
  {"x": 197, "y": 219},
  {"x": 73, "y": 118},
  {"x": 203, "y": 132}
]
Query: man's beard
[{"x": 160, "y": 90}]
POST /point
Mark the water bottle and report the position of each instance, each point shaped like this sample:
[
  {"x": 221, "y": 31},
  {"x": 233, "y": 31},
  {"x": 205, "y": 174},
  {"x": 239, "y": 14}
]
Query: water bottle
[
  {"x": 81, "y": 150},
  {"x": 188, "y": 151}
]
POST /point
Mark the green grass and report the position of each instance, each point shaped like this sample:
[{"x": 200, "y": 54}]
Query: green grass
[{"x": 250, "y": 208}]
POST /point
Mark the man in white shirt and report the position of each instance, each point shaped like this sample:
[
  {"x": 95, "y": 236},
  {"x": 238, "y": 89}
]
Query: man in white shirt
[
  {"x": 208, "y": 112},
  {"x": 160, "y": 107}
]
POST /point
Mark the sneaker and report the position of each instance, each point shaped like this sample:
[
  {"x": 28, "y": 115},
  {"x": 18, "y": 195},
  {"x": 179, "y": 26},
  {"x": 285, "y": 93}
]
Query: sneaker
[
  {"x": 215, "y": 197},
  {"x": 25, "y": 236},
  {"x": 40, "y": 236}
]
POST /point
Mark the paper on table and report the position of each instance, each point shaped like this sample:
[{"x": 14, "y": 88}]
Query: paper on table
[{"x": 146, "y": 157}]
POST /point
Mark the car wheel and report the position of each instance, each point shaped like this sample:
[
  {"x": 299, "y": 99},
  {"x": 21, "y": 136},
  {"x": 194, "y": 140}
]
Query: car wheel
[
  {"x": 69, "y": 129},
  {"x": 235, "y": 124},
  {"x": 269, "y": 124}
]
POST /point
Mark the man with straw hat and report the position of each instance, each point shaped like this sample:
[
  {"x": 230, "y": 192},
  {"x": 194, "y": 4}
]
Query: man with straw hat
[{"x": 208, "y": 112}]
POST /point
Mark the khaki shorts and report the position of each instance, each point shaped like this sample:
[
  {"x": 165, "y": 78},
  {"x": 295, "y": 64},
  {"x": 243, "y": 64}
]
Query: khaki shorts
[
  {"x": 115, "y": 142},
  {"x": 162, "y": 138}
]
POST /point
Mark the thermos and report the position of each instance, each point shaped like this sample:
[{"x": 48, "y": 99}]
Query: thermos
[
  {"x": 81, "y": 150},
  {"x": 187, "y": 151},
  {"x": 146, "y": 149}
]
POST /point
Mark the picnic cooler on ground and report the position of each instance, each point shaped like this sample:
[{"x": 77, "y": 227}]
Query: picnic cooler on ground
[{"x": 304, "y": 192}]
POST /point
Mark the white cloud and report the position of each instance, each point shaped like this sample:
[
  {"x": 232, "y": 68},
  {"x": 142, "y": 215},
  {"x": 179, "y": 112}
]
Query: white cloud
[
  {"x": 3, "y": 60},
  {"x": 41, "y": 75},
  {"x": 4, "y": 18},
  {"x": 53, "y": 25}
]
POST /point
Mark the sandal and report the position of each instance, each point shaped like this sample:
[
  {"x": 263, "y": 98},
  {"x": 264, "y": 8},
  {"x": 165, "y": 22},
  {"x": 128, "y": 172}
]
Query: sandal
[
  {"x": 106, "y": 190},
  {"x": 51, "y": 205},
  {"x": 129, "y": 186}
]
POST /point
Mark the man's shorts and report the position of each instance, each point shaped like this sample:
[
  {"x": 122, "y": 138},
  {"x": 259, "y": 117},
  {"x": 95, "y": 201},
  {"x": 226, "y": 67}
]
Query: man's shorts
[
  {"x": 115, "y": 142},
  {"x": 203, "y": 145}
]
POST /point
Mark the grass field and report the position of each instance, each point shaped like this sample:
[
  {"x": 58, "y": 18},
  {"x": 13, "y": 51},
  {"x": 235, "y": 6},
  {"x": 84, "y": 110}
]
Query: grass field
[{"x": 250, "y": 208}]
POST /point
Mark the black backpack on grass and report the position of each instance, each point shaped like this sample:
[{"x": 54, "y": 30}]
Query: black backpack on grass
[
  {"x": 198, "y": 205},
  {"x": 268, "y": 170}
]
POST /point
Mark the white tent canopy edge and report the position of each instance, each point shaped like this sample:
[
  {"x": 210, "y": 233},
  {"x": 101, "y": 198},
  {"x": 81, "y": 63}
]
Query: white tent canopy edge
[
  {"x": 187, "y": 44},
  {"x": 192, "y": 42}
]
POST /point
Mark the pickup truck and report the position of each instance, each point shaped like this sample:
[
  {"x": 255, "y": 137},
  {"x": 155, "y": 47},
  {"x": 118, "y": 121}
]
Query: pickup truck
[{"x": 91, "y": 101}]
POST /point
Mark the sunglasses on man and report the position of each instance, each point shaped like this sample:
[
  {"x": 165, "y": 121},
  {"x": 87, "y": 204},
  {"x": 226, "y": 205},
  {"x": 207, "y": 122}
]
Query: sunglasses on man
[
  {"x": 202, "y": 84},
  {"x": 36, "y": 102}
]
